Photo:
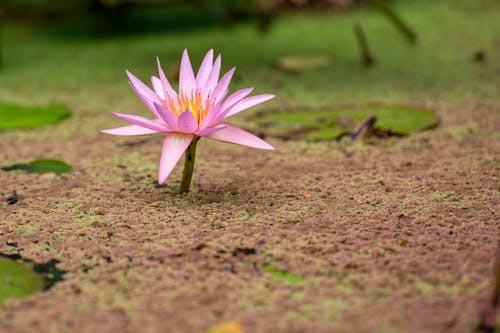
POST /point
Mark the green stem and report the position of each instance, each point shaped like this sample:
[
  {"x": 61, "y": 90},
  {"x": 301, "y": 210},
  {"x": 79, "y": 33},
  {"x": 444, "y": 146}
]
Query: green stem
[
  {"x": 189, "y": 156},
  {"x": 395, "y": 19},
  {"x": 366, "y": 56}
]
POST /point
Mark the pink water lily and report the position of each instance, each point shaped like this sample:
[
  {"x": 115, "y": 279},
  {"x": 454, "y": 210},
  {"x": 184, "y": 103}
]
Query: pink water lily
[{"x": 197, "y": 110}]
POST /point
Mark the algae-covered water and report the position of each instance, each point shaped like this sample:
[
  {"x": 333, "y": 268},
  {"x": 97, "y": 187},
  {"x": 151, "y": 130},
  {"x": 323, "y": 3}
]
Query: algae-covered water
[{"x": 382, "y": 234}]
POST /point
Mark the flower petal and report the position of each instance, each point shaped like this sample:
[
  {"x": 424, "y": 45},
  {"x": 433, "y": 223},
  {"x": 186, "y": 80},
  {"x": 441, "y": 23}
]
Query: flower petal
[
  {"x": 167, "y": 88},
  {"x": 174, "y": 146},
  {"x": 248, "y": 103},
  {"x": 205, "y": 69},
  {"x": 186, "y": 123},
  {"x": 129, "y": 130},
  {"x": 168, "y": 117},
  {"x": 221, "y": 89},
  {"x": 142, "y": 89},
  {"x": 158, "y": 87},
  {"x": 187, "y": 81},
  {"x": 217, "y": 113},
  {"x": 212, "y": 78},
  {"x": 231, "y": 101},
  {"x": 236, "y": 97},
  {"x": 233, "y": 134},
  {"x": 141, "y": 121},
  {"x": 210, "y": 130},
  {"x": 145, "y": 100}
]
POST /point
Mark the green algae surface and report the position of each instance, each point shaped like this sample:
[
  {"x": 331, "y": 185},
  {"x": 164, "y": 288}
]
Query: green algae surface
[
  {"x": 394, "y": 235},
  {"x": 283, "y": 275},
  {"x": 18, "y": 279}
]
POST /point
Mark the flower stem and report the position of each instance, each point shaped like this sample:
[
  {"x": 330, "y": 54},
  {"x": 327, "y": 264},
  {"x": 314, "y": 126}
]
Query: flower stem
[{"x": 189, "y": 156}]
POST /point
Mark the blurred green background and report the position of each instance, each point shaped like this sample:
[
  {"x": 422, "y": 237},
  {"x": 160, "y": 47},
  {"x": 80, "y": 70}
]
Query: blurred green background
[{"x": 75, "y": 52}]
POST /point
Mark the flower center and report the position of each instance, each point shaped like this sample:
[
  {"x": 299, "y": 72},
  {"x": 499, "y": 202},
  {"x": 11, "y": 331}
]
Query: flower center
[{"x": 193, "y": 103}]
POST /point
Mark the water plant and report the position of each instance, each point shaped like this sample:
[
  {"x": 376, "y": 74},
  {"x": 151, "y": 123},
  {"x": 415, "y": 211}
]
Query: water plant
[{"x": 197, "y": 110}]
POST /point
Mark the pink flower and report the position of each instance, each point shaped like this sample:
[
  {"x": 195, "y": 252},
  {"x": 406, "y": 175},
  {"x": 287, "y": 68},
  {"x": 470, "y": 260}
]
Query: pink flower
[{"x": 198, "y": 110}]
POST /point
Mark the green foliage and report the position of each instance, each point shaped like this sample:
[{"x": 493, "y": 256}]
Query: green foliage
[
  {"x": 18, "y": 117},
  {"x": 42, "y": 166},
  {"x": 17, "y": 279},
  {"x": 325, "y": 124}
]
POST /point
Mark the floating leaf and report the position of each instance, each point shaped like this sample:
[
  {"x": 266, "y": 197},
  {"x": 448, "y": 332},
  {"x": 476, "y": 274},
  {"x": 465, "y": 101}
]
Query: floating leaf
[
  {"x": 18, "y": 117},
  {"x": 297, "y": 64},
  {"x": 18, "y": 279},
  {"x": 328, "y": 124},
  {"x": 283, "y": 275},
  {"x": 41, "y": 166}
]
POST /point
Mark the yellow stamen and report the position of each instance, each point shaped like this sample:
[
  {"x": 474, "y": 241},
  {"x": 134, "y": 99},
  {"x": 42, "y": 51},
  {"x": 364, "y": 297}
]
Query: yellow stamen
[{"x": 193, "y": 103}]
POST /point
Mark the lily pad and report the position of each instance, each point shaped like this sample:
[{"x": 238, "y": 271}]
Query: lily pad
[
  {"x": 283, "y": 275},
  {"x": 18, "y": 279},
  {"x": 41, "y": 166},
  {"x": 332, "y": 123},
  {"x": 19, "y": 117}
]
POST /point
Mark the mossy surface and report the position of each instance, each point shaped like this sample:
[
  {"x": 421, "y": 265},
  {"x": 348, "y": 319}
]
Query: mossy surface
[{"x": 389, "y": 235}]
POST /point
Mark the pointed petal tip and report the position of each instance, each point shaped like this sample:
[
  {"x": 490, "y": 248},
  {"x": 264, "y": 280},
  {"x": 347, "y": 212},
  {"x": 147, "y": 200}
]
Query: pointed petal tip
[
  {"x": 267, "y": 146},
  {"x": 161, "y": 178},
  {"x": 262, "y": 145},
  {"x": 110, "y": 131},
  {"x": 234, "y": 134},
  {"x": 130, "y": 130}
]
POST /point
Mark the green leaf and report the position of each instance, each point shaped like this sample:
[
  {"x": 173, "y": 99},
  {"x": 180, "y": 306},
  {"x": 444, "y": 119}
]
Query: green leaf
[
  {"x": 328, "y": 124},
  {"x": 18, "y": 279},
  {"x": 18, "y": 117},
  {"x": 41, "y": 166},
  {"x": 283, "y": 275}
]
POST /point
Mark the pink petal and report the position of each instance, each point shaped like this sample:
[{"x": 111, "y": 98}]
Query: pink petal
[
  {"x": 205, "y": 69},
  {"x": 168, "y": 117},
  {"x": 187, "y": 81},
  {"x": 217, "y": 113},
  {"x": 145, "y": 100},
  {"x": 129, "y": 130},
  {"x": 248, "y": 103},
  {"x": 233, "y": 134},
  {"x": 221, "y": 89},
  {"x": 236, "y": 97},
  {"x": 158, "y": 87},
  {"x": 209, "y": 119},
  {"x": 142, "y": 89},
  {"x": 141, "y": 121},
  {"x": 207, "y": 131},
  {"x": 186, "y": 123},
  {"x": 231, "y": 101},
  {"x": 173, "y": 148},
  {"x": 167, "y": 88},
  {"x": 213, "y": 77}
]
